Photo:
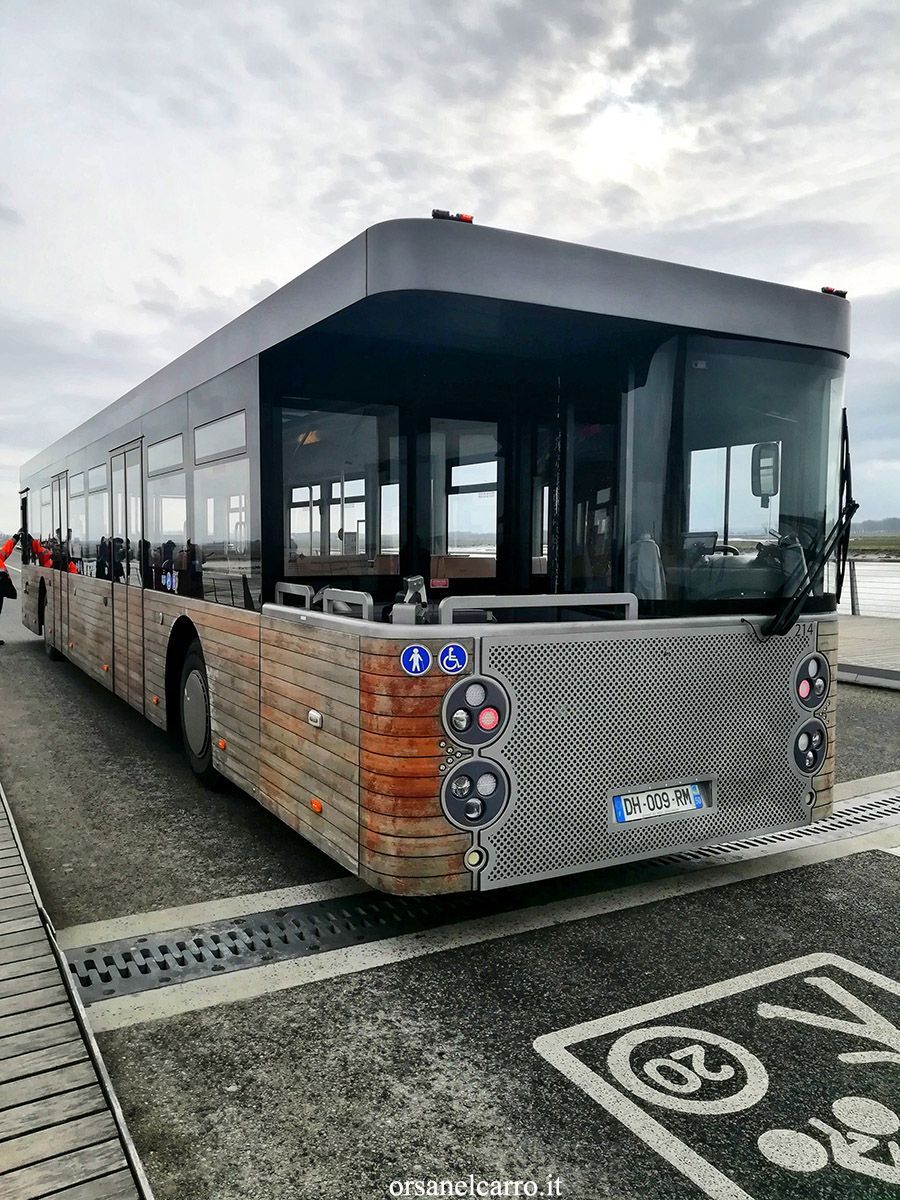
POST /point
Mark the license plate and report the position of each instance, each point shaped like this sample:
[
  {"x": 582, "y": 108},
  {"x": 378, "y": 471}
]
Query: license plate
[{"x": 637, "y": 806}]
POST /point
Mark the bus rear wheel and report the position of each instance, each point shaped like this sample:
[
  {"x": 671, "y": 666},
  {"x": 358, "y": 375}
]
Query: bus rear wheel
[{"x": 195, "y": 715}]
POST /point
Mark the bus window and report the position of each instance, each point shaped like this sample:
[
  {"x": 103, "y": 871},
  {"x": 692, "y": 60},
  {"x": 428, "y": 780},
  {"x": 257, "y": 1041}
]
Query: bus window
[
  {"x": 223, "y": 554},
  {"x": 134, "y": 540},
  {"x": 593, "y": 502},
  {"x": 77, "y": 519},
  {"x": 97, "y": 559},
  {"x": 341, "y": 478},
  {"x": 465, "y": 483},
  {"x": 170, "y": 561},
  {"x": 46, "y": 515}
]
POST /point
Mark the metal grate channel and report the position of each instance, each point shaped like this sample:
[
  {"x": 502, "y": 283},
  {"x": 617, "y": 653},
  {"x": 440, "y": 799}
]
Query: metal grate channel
[
  {"x": 874, "y": 813},
  {"x": 164, "y": 959}
]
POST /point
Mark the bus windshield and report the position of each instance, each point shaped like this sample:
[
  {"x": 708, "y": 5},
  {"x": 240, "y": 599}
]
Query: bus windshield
[{"x": 696, "y": 472}]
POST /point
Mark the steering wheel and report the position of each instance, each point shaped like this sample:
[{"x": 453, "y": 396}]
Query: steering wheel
[{"x": 726, "y": 548}]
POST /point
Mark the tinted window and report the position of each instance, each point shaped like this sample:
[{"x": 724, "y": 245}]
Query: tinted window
[
  {"x": 96, "y": 551},
  {"x": 465, "y": 486},
  {"x": 170, "y": 559},
  {"x": 225, "y": 436},
  {"x": 341, "y": 492},
  {"x": 163, "y": 456},
  {"x": 224, "y": 560}
]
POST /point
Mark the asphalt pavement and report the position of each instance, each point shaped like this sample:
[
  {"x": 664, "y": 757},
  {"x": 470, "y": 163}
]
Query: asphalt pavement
[{"x": 426, "y": 1069}]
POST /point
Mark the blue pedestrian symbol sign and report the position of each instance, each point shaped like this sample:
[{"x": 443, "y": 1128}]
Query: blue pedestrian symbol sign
[
  {"x": 415, "y": 660},
  {"x": 453, "y": 658}
]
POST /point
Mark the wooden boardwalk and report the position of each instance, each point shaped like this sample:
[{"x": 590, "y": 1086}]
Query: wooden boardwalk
[
  {"x": 61, "y": 1131},
  {"x": 869, "y": 651}
]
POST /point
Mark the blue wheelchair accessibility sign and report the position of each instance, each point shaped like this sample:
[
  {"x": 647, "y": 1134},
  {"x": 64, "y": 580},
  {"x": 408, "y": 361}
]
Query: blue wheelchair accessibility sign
[
  {"x": 415, "y": 660},
  {"x": 453, "y": 658}
]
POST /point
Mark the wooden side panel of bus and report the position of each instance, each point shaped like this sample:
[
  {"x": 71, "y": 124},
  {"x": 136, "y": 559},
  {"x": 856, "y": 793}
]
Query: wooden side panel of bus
[
  {"x": 90, "y": 627},
  {"x": 824, "y": 782},
  {"x": 156, "y": 644},
  {"x": 230, "y": 641},
  {"x": 407, "y": 845},
  {"x": 305, "y": 668},
  {"x": 120, "y": 639},
  {"x": 134, "y": 603},
  {"x": 30, "y": 593}
]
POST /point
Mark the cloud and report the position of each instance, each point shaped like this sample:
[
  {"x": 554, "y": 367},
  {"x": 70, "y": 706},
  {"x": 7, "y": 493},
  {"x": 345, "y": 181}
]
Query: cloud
[{"x": 167, "y": 164}]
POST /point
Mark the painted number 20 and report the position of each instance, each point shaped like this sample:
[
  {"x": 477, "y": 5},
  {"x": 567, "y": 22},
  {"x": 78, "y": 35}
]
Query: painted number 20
[{"x": 672, "y": 1073}]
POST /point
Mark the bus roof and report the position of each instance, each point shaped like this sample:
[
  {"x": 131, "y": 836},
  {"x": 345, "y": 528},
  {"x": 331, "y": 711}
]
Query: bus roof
[{"x": 466, "y": 260}]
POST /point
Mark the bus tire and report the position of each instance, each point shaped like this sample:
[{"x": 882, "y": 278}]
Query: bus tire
[{"x": 194, "y": 711}]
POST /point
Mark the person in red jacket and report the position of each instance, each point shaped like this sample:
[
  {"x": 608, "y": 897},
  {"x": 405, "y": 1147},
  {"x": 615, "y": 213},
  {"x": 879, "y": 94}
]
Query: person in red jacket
[
  {"x": 7, "y": 587},
  {"x": 43, "y": 555}
]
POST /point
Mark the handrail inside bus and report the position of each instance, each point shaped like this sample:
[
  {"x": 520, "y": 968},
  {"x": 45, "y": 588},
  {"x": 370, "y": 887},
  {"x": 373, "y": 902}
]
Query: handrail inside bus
[
  {"x": 628, "y": 600},
  {"x": 332, "y": 596},
  {"x": 303, "y": 590}
]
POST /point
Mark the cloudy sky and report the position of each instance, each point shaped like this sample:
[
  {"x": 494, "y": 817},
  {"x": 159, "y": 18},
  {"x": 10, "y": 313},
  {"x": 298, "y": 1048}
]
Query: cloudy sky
[{"x": 166, "y": 163}]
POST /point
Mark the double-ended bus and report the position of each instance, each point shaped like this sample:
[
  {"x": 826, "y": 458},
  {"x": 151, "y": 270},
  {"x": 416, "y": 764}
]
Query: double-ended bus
[{"x": 478, "y": 558}]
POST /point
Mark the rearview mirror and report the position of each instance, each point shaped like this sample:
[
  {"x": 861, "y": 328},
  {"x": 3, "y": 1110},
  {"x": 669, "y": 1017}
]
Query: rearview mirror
[{"x": 766, "y": 471}]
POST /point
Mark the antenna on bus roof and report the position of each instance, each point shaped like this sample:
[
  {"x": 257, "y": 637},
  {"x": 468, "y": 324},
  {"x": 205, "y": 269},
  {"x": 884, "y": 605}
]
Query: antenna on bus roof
[{"x": 441, "y": 214}]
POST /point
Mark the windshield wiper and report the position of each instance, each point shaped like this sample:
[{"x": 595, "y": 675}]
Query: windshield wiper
[{"x": 838, "y": 539}]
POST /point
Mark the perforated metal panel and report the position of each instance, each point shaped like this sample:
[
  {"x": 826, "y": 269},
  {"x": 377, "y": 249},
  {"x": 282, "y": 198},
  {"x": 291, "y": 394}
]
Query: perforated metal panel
[{"x": 598, "y": 712}]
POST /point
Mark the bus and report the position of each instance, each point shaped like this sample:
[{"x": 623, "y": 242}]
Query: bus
[{"x": 478, "y": 558}]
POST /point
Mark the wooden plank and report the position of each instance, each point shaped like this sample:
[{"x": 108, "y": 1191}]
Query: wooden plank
[
  {"x": 13, "y": 1026},
  {"x": 26, "y": 945},
  {"x": 388, "y": 663},
  {"x": 299, "y": 786},
  {"x": 316, "y": 742},
  {"x": 41, "y": 998},
  {"x": 400, "y": 766},
  {"x": 348, "y": 696},
  {"x": 37, "y": 1147},
  {"x": 310, "y": 754},
  {"x": 311, "y": 774},
  {"x": 454, "y": 843},
  {"x": 403, "y": 687},
  {"x": 321, "y": 835},
  {"x": 22, "y": 984},
  {"x": 400, "y": 806},
  {"x": 433, "y": 885},
  {"x": 331, "y": 814},
  {"x": 116, "y": 1186},
  {"x": 395, "y": 785},
  {"x": 401, "y": 865},
  {"x": 64, "y": 1054},
  {"x": 57, "y": 1082},
  {"x": 316, "y": 668},
  {"x": 27, "y": 966},
  {"x": 405, "y": 826},
  {"x": 410, "y": 706},
  {"x": 300, "y": 695},
  {"x": 10, "y": 896},
  {"x": 335, "y": 728},
  {"x": 78, "y": 1167},
  {"x": 305, "y": 643},
  {"x": 32, "y": 921},
  {"x": 328, "y": 635}
]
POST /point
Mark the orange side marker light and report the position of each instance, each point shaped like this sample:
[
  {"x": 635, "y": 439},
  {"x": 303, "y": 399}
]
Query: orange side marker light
[
  {"x": 156, "y": 699},
  {"x": 105, "y": 667},
  {"x": 315, "y": 805},
  {"x": 221, "y": 744}
]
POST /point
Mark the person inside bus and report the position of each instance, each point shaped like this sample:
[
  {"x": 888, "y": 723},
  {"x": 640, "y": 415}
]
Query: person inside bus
[{"x": 7, "y": 587}]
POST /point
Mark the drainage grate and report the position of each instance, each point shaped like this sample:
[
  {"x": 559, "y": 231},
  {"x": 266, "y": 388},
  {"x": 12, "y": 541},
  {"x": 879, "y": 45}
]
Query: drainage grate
[
  {"x": 162, "y": 959},
  {"x": 873, "y": 812}
]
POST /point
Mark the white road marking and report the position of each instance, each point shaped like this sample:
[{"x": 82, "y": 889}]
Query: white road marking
[
  {"x": 260, "y": 981},
  {"x": 164, "y": 920},
  {"x": 556, "y": 1048}
]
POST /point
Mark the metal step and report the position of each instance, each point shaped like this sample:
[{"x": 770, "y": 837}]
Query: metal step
[{"x": 157, "y": 960}]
